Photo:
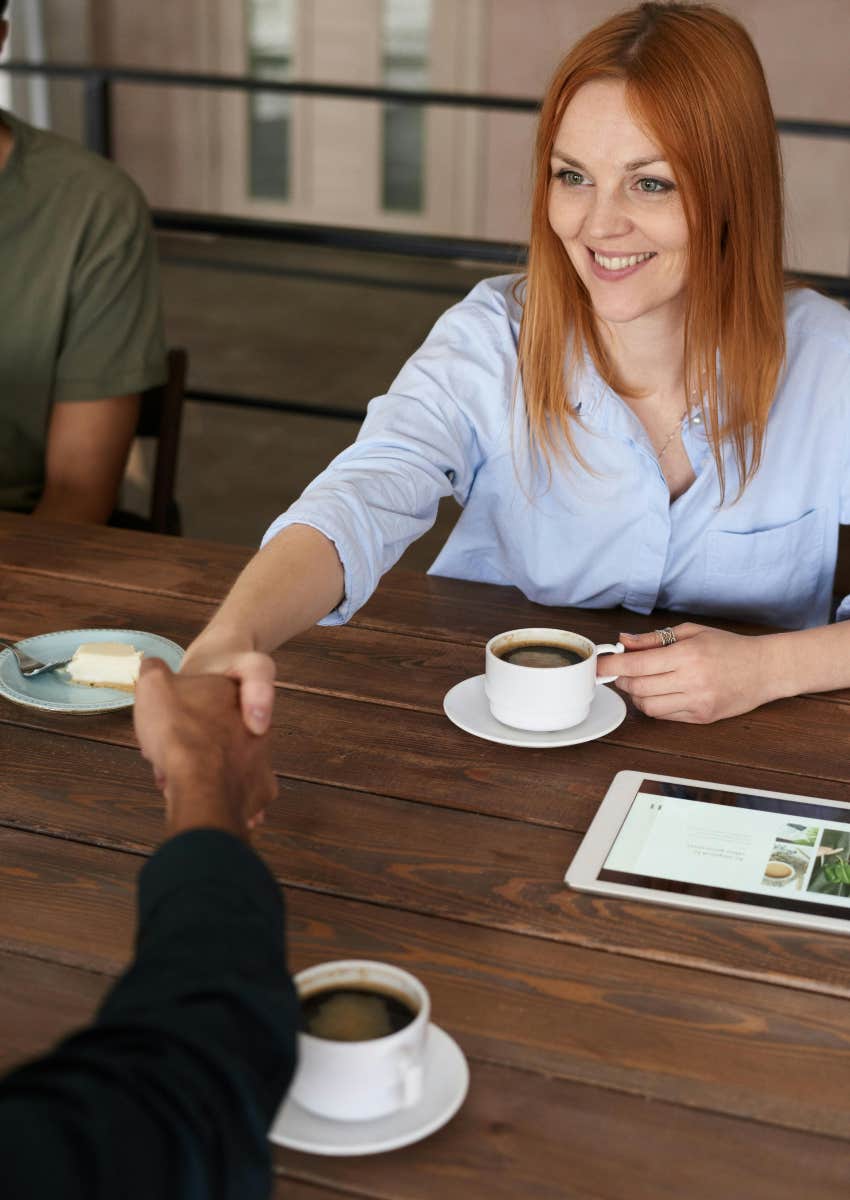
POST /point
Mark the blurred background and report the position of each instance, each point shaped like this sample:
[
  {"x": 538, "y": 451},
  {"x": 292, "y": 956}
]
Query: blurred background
[{"x": 310, "y": 235}]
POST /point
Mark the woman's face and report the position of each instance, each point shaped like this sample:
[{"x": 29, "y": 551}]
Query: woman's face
[{"x": 614, "y": 203}]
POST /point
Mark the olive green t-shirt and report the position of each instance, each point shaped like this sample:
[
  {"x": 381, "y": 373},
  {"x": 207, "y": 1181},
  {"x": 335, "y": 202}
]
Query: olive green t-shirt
[{"x": 80, "y": 314}]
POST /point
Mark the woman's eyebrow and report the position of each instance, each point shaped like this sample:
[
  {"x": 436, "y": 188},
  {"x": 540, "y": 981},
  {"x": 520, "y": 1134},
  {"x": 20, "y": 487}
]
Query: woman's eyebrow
[
  {"x": 565, "y": 158},
  {"x": 644, "y": 162},
  {"x": 635, "y": 165}
]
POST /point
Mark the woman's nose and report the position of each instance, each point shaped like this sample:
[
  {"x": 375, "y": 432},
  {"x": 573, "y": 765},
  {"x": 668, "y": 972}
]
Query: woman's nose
[{"x": 607, "y": 216}]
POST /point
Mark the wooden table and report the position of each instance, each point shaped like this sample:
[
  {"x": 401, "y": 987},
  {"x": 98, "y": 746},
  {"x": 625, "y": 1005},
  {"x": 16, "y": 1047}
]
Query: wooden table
[{"x": 618, "y": 1050}]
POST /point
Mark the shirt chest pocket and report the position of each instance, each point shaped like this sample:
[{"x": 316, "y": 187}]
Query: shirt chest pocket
[{"x": 767, "y": 574}]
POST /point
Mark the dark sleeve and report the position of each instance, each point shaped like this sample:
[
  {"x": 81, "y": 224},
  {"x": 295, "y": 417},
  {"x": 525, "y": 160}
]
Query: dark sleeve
[{"x": 172, "y": 1089}]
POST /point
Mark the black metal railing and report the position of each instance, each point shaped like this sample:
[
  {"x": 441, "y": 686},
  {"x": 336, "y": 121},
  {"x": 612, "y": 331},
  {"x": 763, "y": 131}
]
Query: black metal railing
[
  {"x": 99, "y": 83},
  {"x": 341, "y": 237},
  {"x": 102, "y": 78}
]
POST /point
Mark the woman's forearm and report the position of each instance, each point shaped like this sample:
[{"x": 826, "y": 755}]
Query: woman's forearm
[
  {"x": 810, "y": 660},
  {"x": 286, "y": 588}
]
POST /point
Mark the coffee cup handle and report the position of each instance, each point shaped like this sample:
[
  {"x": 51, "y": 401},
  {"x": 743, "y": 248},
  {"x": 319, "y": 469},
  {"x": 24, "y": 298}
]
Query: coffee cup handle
[
  {"x": 411, "y": 1078},
  {"x": 607, "y": 648}
]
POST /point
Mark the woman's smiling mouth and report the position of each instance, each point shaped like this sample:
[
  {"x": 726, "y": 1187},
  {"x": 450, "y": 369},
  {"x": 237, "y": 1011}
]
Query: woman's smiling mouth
[{"x": 618, "y": 266}]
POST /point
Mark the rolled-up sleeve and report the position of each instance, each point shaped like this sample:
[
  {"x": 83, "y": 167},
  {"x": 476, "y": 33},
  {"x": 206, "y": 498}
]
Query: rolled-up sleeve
[{"x": 423, "y": 440}]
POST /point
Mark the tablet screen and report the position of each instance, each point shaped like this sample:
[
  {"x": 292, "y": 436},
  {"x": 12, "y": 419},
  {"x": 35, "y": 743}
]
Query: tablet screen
[{"x": 727, "y": 845}]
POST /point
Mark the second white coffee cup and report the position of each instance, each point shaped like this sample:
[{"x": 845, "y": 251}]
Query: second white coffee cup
[
  {"x": 362, "y": 1080},
  {"x": 542, "y": 699}
]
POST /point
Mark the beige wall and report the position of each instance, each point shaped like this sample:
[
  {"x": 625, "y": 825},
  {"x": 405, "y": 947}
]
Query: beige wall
[
  {"x": 803, "y": 45},
  {"x": 167, "y": 138}
]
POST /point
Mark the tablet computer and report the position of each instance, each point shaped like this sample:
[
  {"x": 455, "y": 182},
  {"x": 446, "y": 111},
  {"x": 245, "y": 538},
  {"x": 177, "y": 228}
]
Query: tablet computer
[{"x": 768, "y": 856}]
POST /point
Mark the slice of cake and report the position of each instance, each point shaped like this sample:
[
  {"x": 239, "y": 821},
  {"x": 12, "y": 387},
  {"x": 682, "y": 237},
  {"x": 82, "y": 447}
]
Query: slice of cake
[{"x": 106, "y": 664}]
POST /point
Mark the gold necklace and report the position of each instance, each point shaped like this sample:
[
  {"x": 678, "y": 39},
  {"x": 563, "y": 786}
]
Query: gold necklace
[{"x": 677, "y": 427}]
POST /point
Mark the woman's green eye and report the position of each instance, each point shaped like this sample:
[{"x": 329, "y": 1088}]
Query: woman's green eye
[
  {"x": 653, "y": 186},
  {"x": 573, "y": 178}
]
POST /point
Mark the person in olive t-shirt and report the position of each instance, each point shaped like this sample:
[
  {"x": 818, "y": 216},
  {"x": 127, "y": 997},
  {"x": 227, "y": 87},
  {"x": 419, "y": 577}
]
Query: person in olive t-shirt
[{"x": 80, "y": 323}]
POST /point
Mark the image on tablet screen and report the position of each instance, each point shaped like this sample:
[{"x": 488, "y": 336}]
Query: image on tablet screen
[
  {"x": 751, "y": 849},
  {"x": 831, "y": 874}
]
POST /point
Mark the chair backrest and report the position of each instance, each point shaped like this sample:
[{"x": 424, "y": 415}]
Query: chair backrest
[{"x": 159, "y": 417}]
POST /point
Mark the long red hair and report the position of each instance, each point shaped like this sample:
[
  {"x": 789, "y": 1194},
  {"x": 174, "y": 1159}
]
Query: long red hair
[{"x": 695, "y": 82}]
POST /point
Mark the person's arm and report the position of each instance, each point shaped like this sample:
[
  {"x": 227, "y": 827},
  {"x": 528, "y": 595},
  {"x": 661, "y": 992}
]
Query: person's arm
[
  {"x": 709, "y": 674},
  {"x": 294, "y": 581},
  {"x": 86, "y": 452},
  {"x": 425, "y": 440},
  {"x": 112, "y": 348},
  {"x": 169, "y": 1094}
]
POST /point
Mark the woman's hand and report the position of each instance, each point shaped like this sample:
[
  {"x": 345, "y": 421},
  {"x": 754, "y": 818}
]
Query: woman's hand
[
  {"x": 212, "y": 654},
  {"x": 706, "y": 675}
]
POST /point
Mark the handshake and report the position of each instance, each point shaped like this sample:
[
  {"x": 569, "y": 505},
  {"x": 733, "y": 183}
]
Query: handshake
[{"x": 212, "y": 771}]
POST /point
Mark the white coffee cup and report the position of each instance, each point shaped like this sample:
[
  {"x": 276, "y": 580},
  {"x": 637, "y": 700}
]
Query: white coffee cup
[
  {"x": 543, "y": 698},
  {"x": 359, "y": 1081}
]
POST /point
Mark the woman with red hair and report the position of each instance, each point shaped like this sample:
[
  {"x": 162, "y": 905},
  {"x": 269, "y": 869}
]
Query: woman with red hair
[{"x": 648, "y": 418}]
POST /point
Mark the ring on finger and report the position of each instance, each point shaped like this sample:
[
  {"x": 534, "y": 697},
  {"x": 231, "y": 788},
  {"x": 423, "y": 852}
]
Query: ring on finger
[{"x": 666, "y": 636}]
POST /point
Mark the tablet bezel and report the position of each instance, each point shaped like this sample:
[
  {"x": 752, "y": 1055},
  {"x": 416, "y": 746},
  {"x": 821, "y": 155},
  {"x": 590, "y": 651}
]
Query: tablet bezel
[{"x": 582, "y": 873}]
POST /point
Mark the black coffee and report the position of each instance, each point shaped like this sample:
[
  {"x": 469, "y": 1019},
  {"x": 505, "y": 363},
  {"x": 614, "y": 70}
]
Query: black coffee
[
  {"x": 349, "y": 1014},
  {"x": 540, "y": 654}
]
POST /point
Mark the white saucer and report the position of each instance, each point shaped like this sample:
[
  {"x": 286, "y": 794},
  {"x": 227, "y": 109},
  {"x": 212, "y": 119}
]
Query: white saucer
[
  {"x": 466, "y": 705},
  {"x": 445, "y": 1086}
]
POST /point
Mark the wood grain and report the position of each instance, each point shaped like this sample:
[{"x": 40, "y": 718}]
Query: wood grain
[
  {"x": 644, "y": 1028},
  {"x": 40, "y": 604},
  {"x": 285, "y": 1187},
  {"x": 41, "y": 1002},
  {"x": 405, "y": 855},
  {"x": 523, "y": 1135},
  {"x": 541, "y": 1135},
  {"x": 123, "y": 558},
  {"x": 422, "y": 757}
]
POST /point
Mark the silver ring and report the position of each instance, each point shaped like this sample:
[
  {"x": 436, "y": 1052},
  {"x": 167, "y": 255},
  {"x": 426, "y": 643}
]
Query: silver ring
[{"x": 667, "y": 636}]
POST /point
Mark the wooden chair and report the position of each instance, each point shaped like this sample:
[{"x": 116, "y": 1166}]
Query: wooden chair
[{"x": 159, "y": 417}]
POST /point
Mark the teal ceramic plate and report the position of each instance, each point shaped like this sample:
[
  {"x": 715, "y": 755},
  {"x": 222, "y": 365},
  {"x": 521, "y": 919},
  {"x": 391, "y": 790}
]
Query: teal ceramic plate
[{"x": 54, "y": 691}]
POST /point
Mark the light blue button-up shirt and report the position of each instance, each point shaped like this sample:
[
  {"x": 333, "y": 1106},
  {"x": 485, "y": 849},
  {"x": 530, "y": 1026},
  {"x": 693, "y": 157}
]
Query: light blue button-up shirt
[{"x": 448, "y": 427}]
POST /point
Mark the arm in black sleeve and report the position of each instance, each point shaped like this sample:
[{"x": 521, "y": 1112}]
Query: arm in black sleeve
[{"x": 171, "y": 1091}]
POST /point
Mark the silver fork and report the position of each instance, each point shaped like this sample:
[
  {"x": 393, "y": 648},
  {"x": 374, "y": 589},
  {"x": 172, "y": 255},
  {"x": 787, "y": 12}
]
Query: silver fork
[{"x": 29, "y": 666}]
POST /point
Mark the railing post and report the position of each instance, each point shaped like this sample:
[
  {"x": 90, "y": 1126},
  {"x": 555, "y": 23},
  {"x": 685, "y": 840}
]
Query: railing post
[{"x": 98, "y": 114}]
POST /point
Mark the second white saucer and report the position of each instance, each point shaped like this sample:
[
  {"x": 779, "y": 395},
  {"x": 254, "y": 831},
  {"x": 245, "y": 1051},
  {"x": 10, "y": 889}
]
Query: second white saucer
[
  {"x": 444, "y": 1090},
  {"x": 466, "y": 705}
]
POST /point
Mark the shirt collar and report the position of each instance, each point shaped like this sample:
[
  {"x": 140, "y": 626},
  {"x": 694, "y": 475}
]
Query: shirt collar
[{"x": 601, "y": 410}]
